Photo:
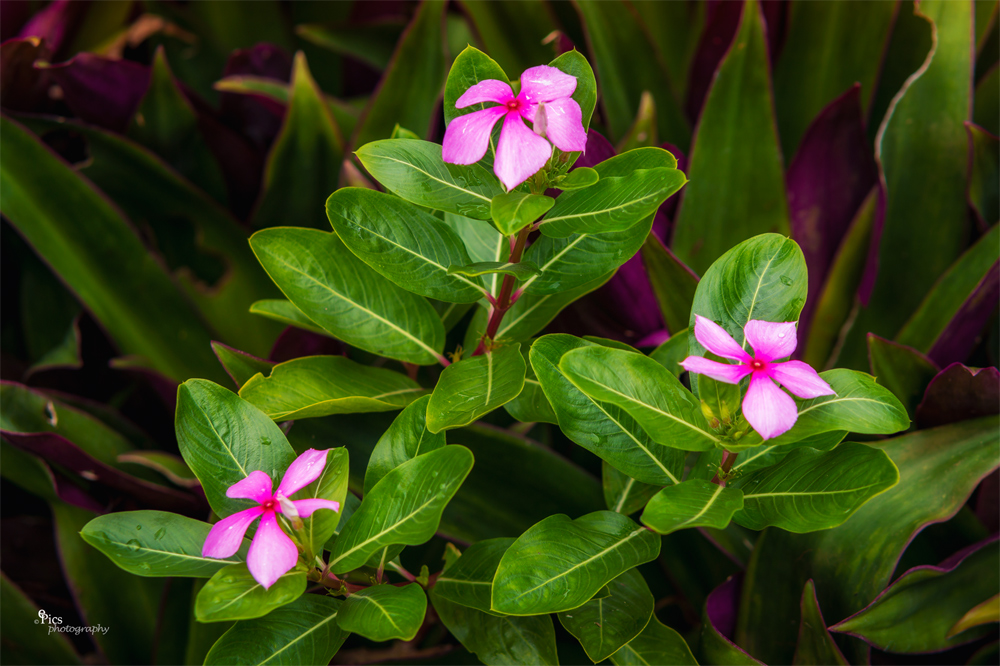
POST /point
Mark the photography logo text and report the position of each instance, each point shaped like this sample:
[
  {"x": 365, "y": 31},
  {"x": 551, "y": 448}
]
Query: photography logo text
[{"x": 55, "y": 625}]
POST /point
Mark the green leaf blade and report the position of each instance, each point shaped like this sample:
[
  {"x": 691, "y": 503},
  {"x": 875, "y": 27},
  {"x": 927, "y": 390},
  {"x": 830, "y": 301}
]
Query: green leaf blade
[
  {"x": 693, "y": 503},
  {"x": 475, "y": 386}
]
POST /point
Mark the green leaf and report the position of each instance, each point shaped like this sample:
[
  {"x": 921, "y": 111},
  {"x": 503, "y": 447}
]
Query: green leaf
[
  {"x": 602, "y": 428},
  {"x": 984, "y": 176},
  {"x": 657, "y": 644},
  {"x": 405, "y": 439},
  {"x": 716, "y": 214},
  {"x": 346, "y": 297},
  {"x": 499, "y": 640},
  {"x": 470, "y": 67},
  {"x": 411, "y": 86},
  {"x": 531, "y": 405},
  {"x": 987, "y": 101},
  {"x": 170, "y": 545},
  {"x": 314, "y": 386},
  {"x": 693, "y": 503},
  {"x": 223, "y": 439},
  {"x": 304, "y": 632},
  {"x": 372, "y": 43},
  {"x": 403, "y": 508},
  {"x": 985, "y": 612},
  {"x": 513, "y": 34},
  {"x": 415, "y": 171},
  {"x": 384, "y": 612},
  {"x": 240, "y": 365},
  {"x": 648, "y": 392},
  {"x": 672, "y": 352},
  {"x": 575, "y": 64},
  {"x": 522, "y": 271},
  {"x": 169, "y": 465},
  {"x": 475, "y": 386},
  {"x": 860, "y": 405},
  {"x": 304, "y": 162},
  {"x": 404, "y": 244},
  {"x": 90, "y": 245},
  {"x": 26, "y": 641},
  {"x": 915, "y": 613},
  {"x": 903, "y": 370},
  {"x": 622, "y": 493},
  {"x": 614, "y": 203},
  {"x": 643, "y": 129},
  {"x": 675, "y": 30},
  {"x": 484, "y": 244},
  {"x": 578, "y": 179},
  {"x": 559, "y": 563},
  {"x": 233, "y": 594},
  {"x": 331, "y": 485},
  {"x": 674, "y": 284},
  {"x": 815, "y": 644},
  {"x": 468, "y": 581},
  {"x": 285, "y": 312},
  {"x": 604, "y": 625},
  {"x": 513, "y": 211}
]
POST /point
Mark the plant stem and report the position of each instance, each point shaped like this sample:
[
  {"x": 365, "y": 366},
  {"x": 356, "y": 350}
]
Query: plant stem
[
  {"x": 504, "y": 300},
  {"x": 728, "y": 460}
]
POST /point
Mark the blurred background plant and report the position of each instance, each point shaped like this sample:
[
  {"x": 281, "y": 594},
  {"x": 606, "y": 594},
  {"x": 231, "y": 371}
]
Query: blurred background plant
[{"x": 142, "y": 142}]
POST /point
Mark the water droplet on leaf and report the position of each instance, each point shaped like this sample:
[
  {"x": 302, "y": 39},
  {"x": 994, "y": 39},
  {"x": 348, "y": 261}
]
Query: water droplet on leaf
[
  {"x": 133, "y": 544},
  {"x": 160, "y": 533},
  {"x": 785, "y": 280}
]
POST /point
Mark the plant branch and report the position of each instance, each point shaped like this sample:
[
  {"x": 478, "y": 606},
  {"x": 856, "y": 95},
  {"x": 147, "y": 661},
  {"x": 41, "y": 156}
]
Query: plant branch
[{"x": 504, "y": 299}]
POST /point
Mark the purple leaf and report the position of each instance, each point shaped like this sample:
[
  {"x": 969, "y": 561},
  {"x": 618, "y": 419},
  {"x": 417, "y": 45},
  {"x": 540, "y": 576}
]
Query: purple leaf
[
  {"x": 988, "y": 502},
  {"x": 721, "y": 21},
  {"x": 257, "y": 117},
  {"x": 776, "y": 19},
  {"x": 13, "y": 15},
  {"x": 22, "y": 86},
  {"x": 296, "y": 343},
  {"x": 832, "y": 172},
  {"x": 964, "y": 330},
  {"x": 57, "y": 23},
  {"x": 721, "y": 608},
  {"x": 164, "y": 387},
  {"x": 101, "y": 91},
  {"x": 958, "y": 393}
]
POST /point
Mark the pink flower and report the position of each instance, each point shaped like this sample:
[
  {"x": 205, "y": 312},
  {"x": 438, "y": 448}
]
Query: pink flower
[
  {"x": 272, "y": 553},
  {"x": 521, "y": 152},
  {"x": 769, "y": 410}
]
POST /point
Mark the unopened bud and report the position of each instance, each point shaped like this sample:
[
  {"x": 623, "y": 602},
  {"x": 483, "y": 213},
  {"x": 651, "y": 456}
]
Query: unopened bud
[
  {"x": 541, "y": 120},
  {"x": 707, "y": 411},
  {"x": 289, "y": 511}
]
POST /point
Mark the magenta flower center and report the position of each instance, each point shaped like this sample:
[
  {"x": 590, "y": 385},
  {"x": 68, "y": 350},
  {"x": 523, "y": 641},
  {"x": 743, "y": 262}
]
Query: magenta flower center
[
  {"x": 514, "y": 105},
  {"x": 269, "y": 505},
  {"x": 756, "y": 365}
]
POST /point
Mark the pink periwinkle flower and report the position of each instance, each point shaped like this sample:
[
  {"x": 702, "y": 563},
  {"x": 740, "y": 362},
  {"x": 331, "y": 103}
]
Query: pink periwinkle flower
[
  {"x": 521, "y": 152},
  {"x": 272, "y": 553},
  {"x": 769, "y": 410}
]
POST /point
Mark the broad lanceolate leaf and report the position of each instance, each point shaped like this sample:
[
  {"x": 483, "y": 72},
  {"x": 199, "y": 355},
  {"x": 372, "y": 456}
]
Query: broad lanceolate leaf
[
  {"x": 384, "y": 612},
  {"x": 560, "y": 564},
  {"x": 415, "y": 171},
  {"x": 531, "y": 405},
  {"x": 513, "y": 211},
  {"x": 693, "y": 503},
  {"x": 615, "y": 203},
  {"x": 303, "y": 632},
  {"x": 224, "y": 438},
  {"x": 321, "y": 385},
  {"x": 657, "y": 644},
  {"x": 578, "y": 179},
  {"x": 285, "y": 312},
  {"x": 903, "y": 370},
  {"x": 474, "y": 387},
  {"x": 811, "y": 490},
  {"x": 348, "y": 298},
  {"x": 468, "y": 580},
  {"x": 408, "y": 246},
  {"x": 470, "y": 67},
  {"x": 403, "y": 508},
  {"x": 170, "y": 545},
  {"x": 240, "y": 365},
  {"x": 483, "y": 243},
  {"x": 860, "y": 406},
  {"x": 233, "y": 594},
  {"x": 603, "y": 428},
  {"x": 523, "y": 270},
  {"x": 622, "y": 493},
  {"x": 672, "y": 352},
  {"x": 815, "y": 645},
  {"x": 673, "y": 283},
  {"x": 406, "y": 438},
  {"x": 331, "y": 485},
  {"x": 648, "y": 392},
  {"x": 716, "y": 214},
  {"x": 915, "y": 613},
  {"x": 604, "y": 625}
]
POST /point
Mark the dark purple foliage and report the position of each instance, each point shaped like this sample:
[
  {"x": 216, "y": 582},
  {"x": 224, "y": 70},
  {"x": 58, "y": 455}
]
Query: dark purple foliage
[
  {"x": 958, "y": 393},
  {"x": 102, "y": 91},
  {"x": 965, "y": 329},
  {"x": 257, "y": 117}
]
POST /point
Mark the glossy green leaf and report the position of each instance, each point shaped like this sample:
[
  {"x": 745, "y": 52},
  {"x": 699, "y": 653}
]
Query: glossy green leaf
[
  {"x": 411, "y": 86},
  {"x": 513, "y": 211},
  {"x": 403, "y": 508},
  {"x": 622, "y": 493},
  {"x": 675, "y": 30},
  {"x": 672, "y": 352},
  {"x": 693, "y": 503},
  {"x": 987, "y": 101},
  {"x": 25, "y": 640},
  {"x": 415, "y": 171},
  {"x": 240, "y": 365},
  {"x": 372, "y": 43},
  {"x": 484, "y": 244},
  {"x": 604, "y": 625},
  {"x": 576, "y": 64},
  {"x": 314, "y": 386},
  {"x": 406, "y": 438},
  {"x": 468, "y": 580},
  {"x": 673, "y": 283},
  {"x": 285, "y": 312},
  {"x": 578, "y": 179},
  {"x": 470, "y": 67},
  {"x": 224, "y": 438},
  {"x": 55, "y": 210},
  {"x": 560, "y": 563},
  {"x": 522, "y": 271},
  {"x": 982, "y": 613},
  {"x": 643, "y": 129},
  {"x": 602, "y": 428},
  {"x": 348, "y": 298},
  {"x": 812, "y": 490},
  {"x": 915, "y": 613},
  {"x": 513, "y": 34},
  {"x": 384, "y": 612},
  {"x": 984, "y": 176},
  {"x": 404, "y": 244},
  {"x": 475, "y": 386},
  {"x": 612, "y": 204},
  {"x": 815, "y": 645},
  {"x": 169, "y": 465},
  {"x": 170, "y": 545},
  {"x": 531, "y": 405},
  {"x": 233, "y": 594},
  {"x": 648, "y": 392},
  {"x": 304, "y": 162},
  {"x": 717, "y": 213},
  {"x": 903, "y": 370},
  {"x": 331, "y": 485},
  {"x": 657, "y": 644},
  {"x": 304, "y": 632}
]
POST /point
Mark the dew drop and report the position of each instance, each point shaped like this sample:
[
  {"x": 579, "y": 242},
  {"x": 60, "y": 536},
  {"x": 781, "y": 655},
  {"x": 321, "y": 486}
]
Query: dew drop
[
  {"x": 144, "y": 566},
  {"x": 265, "y": 441},
  {"x": 785, "y": 280},
  {"x": 138, "y": 527},
  {"x": 229, "y": 580},
  {"x": 133, "y": 544},
  {"x": 160, "y": 533}
]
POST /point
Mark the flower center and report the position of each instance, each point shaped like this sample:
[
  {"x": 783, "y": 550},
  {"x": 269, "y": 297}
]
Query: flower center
[
  {"x": 269, "y": 505},
  {"x": 513, "y": 105},
  {"x": 756, "y": 365}
]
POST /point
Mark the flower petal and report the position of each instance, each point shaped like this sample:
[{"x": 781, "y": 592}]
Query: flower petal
[
  {"x": 520, "y": 153},
  {"x": 564, "y": 125},
  {"x": 305, "y": 507},
  {"x": 488, "y": 90},
  {"x": 226, "y": 536},
  {"x": 257, "y": 487},
  {"x": 272, "y": 553},
  {"x": 800, "y": 379},
  {"x": 715, "y": 339},
  {"x": 546, "y": 84},
  {"x": 771, "y": 340},
  {"x": 304, "y": 470},
  {"x": 468, "y": 136},
  {"x": 724, "y": 372},
  {"x": 769, "y": 410}
]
